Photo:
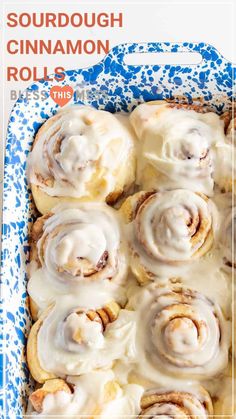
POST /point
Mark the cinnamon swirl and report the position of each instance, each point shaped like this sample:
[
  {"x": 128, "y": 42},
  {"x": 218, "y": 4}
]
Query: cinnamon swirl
[
  {"x": 177, "y": 144},
  {"x": 166, "y": 230},
  {"x": 81, "y": 154},
  {"x": 181, "y": 334},
  {"x": 68, "y": 339},
  {"x": 74, "y": 244},
  {"x": 182, "y": 404}
]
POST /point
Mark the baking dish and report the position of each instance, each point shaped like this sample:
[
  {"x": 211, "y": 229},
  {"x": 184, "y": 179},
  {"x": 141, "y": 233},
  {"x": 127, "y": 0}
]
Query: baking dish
[{"x": 111, "y": 85}]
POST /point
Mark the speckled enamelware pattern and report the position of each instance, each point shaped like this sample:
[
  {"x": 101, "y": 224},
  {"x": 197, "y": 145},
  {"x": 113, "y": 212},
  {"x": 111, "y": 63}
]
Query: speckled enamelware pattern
[{"x": 109, "y": 85}]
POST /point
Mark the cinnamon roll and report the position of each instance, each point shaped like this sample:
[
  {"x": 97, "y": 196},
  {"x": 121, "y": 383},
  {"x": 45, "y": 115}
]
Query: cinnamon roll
[
  {"x": 50, "y": 387},
  {"x": 81, "y": 153},
  {"x": 68, "y": 339},
  {"x": 227, "y": 236},
  {"x": 72, "y": 245},
  {"x": 176, "y": 145},
  {"x": 225, "y": 173},
  {"x": 175, "y": 403},
  {"x": 103, "y": 398},
  {"x": 182, "y": 334},
  {"x": 166, "y": 230}
]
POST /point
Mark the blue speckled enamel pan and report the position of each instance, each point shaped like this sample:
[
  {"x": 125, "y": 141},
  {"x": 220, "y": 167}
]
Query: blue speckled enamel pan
[{"x": 110, "y": 85}]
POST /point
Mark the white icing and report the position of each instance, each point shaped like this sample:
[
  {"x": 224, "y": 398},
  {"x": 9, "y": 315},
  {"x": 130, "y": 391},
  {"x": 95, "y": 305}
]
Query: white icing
[
  {"x": 179, "y": 145},
  {"x": 74, "y": 240},
  {"x": 87, "y": 142},
  {"x": 228, "y": 236},
  {"x": 161, "y": 351},
  {"x": 163, "y": 231},
  {"x": 188, "y": 401},
  {"x": 78, "y": 357},
  {"x": 43, "y": 292},
  {"x": 179, "y": 339},
  {"x": 90, "y": 397},
  {"x": 92, "y": 244},
  {"x": 90, "y": 333},
  {"x": 208, "y": 279},
  {"x": 127, "y": 403},
  {"x": 225, "y": 166}
]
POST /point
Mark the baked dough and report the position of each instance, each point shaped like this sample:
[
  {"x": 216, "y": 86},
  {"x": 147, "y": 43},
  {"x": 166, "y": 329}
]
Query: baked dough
[{"x": 81, "y": 154}]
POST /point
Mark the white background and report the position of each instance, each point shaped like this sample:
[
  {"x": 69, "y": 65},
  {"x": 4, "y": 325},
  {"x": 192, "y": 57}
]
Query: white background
[{"x": 198, "y": 21}]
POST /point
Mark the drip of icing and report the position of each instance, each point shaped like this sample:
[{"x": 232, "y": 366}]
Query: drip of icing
[{"x": 44, "y": 292}]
